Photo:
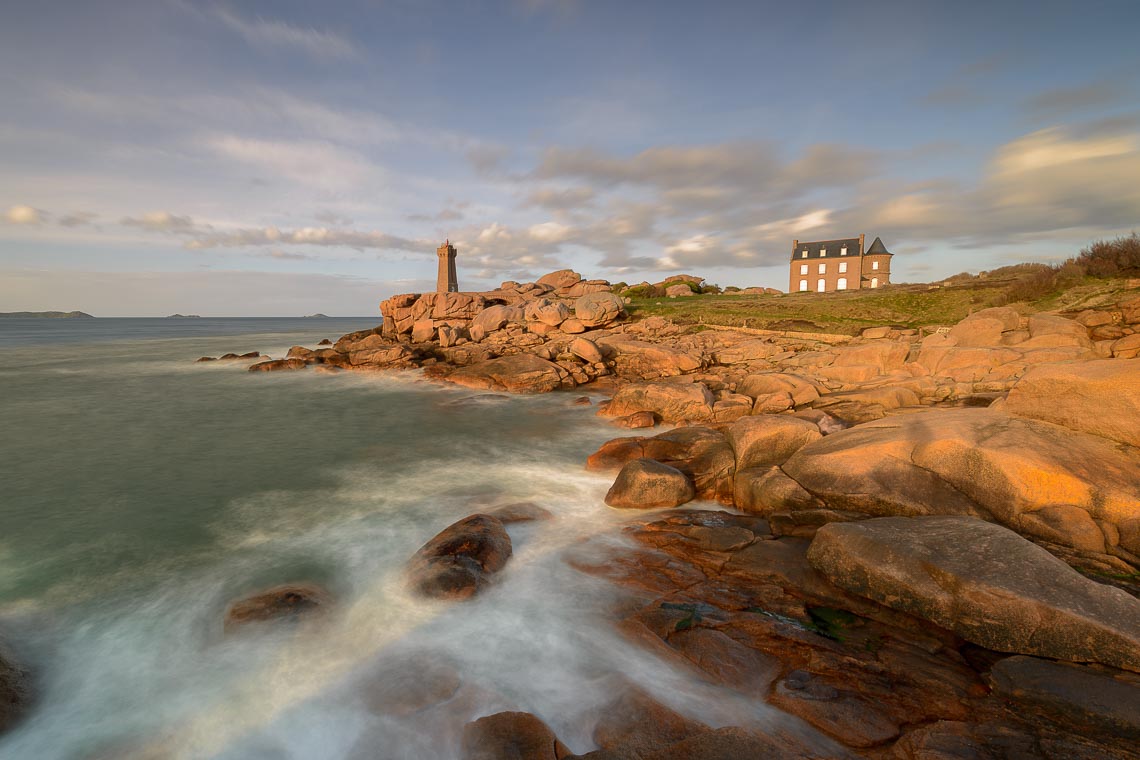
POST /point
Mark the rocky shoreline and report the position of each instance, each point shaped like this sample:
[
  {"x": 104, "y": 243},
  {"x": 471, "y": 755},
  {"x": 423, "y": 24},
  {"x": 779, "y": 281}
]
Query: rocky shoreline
[
  {"x": 934, "y": 544},
  {"x": 917, "y": 545}
]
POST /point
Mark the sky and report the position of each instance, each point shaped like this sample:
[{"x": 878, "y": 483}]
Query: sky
[{"x": 289, "y": 157}]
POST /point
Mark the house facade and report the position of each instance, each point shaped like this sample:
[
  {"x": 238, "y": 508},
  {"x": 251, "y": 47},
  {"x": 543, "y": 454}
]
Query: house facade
[{"x": 827, "y": 266}]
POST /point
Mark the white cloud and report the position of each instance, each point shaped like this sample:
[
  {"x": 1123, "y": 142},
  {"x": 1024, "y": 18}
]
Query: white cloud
[{"x": 21, "y": 214}]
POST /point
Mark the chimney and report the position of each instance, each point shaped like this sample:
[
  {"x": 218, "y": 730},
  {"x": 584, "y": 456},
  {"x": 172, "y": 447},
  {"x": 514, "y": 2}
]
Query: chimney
[{"x": 862, "y": 235}]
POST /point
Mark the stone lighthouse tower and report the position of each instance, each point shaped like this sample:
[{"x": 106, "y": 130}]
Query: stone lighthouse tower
[{"x": 446, "y": 281}]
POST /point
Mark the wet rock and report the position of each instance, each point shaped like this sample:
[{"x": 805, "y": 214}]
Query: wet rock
[
  {"x": 1073, "y": 693},
  {"x": 206, "y": 359},
  {"x": 645, "y": 484},
  {"x": 462, "y": 559},
  {"x": 325, "y": 342},
  {"x": 522, "y": 511},
  {"x": 635, "y": 725},
  {"x": 519, "y": 373},
  {"x": 984, "y": 583},
  {"x": 835, "y": 712},
  {"x": 511, "y": 736},
  {"x": 276, "y": 365},
  {"x": 288, "y": 602},
  {"x": 1099, "y": 397},
  {"x": 15, "y": 690}
]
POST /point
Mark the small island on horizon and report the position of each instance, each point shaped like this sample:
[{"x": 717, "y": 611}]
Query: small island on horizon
[
  {"x": 315, "y": 316},
  {"x": 184, "y": 316},
  {"x": 46, "y": 315}
]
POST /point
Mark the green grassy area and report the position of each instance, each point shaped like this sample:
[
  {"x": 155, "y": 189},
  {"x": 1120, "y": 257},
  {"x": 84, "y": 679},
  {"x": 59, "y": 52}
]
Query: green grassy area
[{"x": 849, "y": 312}]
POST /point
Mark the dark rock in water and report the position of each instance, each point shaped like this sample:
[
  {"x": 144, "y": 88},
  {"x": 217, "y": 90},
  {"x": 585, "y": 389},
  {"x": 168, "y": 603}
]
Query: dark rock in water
[
  {"x": 250, "y": 355},
  {"x": 523, "y": 511},
  {"x": 207, "y": 359},
  {"x": 636, "y": 725},
  {"x": 461, "y": 559},
  {"x": 514, "y": 735},
  {"x": 291, "y": 601},
  {"x": 1078, "y": 693},
  {"x": 582, "y": 401},
  {"x": 278, "y": 364},
  {"x": 15, "y": 691},
  {"x": 325, "y": 342},
  {"x": 410, "y": 685}
]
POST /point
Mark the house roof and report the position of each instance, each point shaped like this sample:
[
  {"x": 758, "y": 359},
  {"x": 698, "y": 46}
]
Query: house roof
[
  {"x": 878, "y": 247},
  {"x": 833, "y": 247}
]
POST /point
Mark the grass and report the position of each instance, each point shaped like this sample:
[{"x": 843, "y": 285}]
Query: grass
[{"x": 846, "y": 313}]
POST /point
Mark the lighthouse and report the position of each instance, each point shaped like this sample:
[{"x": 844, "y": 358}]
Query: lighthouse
[{"x": 446, "y": 281}]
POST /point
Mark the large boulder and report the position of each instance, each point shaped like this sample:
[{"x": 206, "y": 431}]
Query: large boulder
[
  {"x": 883, "y": 356},
  {"x": 548, "y": 312},
  {"x": 563, "y": 278},
  {"x": 769, "y": 439},
  {"x": 1099, "y": 397},
  {"x": 511, "y": 736},
  {"x": 462, "y": 559},
  {"x": 640, "y": 359},
  {"x": 276, "y": 365},
  {"x": 646, "y": 483},
  {"x": 519, "y": 373},
  {"x": 598, "y": 309},
  {"x": 586, "y": 350},
  {"x": 671, "y": 402},
  {"x": 701, "y": 453},
  {"x": 760, "y": 386},
  {"x": 1039, "y": 479},
  {"x": 493, "y": 318},
  {"x": 984, "y": 583},
  {"x": 289, "y": 602}
]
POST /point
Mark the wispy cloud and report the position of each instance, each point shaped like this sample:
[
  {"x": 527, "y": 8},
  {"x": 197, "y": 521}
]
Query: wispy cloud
[
  {"x": 274, "y": 33},
  {"x": 1063, "y": 101},
  {"x": 162, "y": 221}
]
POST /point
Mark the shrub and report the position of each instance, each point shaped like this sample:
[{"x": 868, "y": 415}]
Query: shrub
[
  {"x": 1111, "y": 258},
  {"x": 711, "y": 289}
]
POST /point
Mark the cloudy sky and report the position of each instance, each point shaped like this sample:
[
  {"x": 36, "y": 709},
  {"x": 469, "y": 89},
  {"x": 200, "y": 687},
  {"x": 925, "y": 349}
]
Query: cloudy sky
[{"x": 276, "y": 158}]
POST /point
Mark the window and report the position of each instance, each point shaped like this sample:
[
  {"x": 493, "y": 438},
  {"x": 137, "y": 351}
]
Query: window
[
  {"x": 823, "y": 268},
  {"x": 842, "y": 267},
  {"x": 803, "y": 268},
  {"x": 842, "y": 284},
  {"x": 874, "y": 282},
  {"x": 874, "y": 265},
  {"x": 803, "y": 285},
  {"x": 843, "y": 251},
  {"x": 821, "y": 286},
  {"x": 822, "y": 253},
  {"x": 804, "y": 254}
]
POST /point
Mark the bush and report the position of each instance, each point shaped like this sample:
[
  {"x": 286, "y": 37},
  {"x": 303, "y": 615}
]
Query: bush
[
  {"x": 643, "y": 291},
  {"x": 711, "y": 290},
  {"x": 1111, "y": 258}
]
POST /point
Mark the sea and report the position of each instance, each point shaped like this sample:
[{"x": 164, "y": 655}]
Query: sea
[{"x": 142, "y": 493}]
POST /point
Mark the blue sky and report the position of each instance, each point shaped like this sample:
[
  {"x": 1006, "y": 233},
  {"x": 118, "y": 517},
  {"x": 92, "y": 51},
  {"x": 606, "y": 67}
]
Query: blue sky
[{"x": 276, "y": 158}]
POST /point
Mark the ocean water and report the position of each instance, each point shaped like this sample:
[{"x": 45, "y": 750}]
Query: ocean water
[{"x": 143, "y": 492}]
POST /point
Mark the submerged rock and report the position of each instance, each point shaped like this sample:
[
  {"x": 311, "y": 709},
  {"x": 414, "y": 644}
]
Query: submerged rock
[
  {"x": 461, "y": 559},
  {"x": 511, "y": 736},
  {"x": 292, "y": 601},
  {"x": 15, "y": 690},
  {"x": 276, "y": 365},
  {"x": 984, "y": 583}
]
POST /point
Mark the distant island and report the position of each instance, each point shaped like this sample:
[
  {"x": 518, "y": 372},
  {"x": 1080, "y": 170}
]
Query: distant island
[
  {"x": 185, "y": 316},
  {"x": 45, "y": 315},
  {"x": 315, "y": 316}
]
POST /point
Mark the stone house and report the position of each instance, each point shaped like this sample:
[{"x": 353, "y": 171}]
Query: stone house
[{"x": 826, "y": 266}]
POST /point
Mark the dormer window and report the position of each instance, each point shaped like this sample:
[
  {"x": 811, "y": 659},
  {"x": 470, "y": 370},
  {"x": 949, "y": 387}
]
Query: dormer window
[
  {"x": 843, "y": 251},
  {"x": 804, "y": 254},
  {"x": 823, "y": 253}
]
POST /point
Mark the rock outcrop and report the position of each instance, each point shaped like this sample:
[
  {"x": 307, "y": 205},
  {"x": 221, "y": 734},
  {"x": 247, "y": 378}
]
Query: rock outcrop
[
  {"x": 984, "y": 583},
  {"x": 646, "y": 483}
]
